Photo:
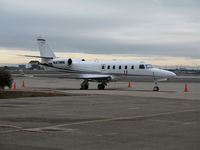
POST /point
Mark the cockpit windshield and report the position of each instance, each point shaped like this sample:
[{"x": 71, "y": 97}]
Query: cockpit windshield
[{"x": 148, "y": 66}]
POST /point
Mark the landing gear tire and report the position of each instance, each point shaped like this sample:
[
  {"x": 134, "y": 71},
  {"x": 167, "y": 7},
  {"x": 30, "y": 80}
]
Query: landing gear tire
[
  {"x": 84, "y": 87},
  {"x": 156, "y": 88},
  {"x": 101, "y": 86}
]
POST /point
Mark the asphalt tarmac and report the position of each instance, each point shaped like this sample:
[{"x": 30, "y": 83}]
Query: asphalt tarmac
[{"x": 119, "y": 117}]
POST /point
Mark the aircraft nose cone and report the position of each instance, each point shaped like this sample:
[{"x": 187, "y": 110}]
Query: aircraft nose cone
[
  {"x": 173, "y": 74},
  {"x": 163, "y": 73},
  {"x": 170, "y": 74}
]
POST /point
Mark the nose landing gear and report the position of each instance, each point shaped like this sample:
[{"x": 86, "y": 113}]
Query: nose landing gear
[{"x": 156, "y": 88}]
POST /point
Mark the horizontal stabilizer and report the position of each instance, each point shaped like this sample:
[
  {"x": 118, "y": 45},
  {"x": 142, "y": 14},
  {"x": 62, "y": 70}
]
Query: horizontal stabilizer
[{"x": 37, "y": 56}]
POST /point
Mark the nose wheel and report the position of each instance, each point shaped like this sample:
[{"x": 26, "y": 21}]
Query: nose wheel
[{"x": 155, "y": 88}]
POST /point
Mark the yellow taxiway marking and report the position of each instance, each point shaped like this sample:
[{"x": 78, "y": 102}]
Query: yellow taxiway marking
[{"x": 113, "y": 119}]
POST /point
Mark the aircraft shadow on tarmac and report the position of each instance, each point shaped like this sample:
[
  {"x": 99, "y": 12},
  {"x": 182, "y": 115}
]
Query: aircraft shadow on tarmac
[{"x": 108, "y": 89}]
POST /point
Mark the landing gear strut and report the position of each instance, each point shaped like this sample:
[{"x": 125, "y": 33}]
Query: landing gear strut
[
  {"x": 156, "y": 88},
  {"x": 84, "y": 85}
]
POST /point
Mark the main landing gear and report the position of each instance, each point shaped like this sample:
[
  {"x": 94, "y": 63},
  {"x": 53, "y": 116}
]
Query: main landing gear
[
  {"x": 101, "y": 86},
  {"x": 85, "y": 85}
]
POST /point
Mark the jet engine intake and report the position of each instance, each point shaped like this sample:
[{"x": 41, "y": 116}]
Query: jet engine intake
[{"x": 69, "y": 61}]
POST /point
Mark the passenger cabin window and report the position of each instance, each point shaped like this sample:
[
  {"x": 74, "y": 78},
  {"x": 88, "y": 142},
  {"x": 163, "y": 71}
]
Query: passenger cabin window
[
  {"x": 103, "y": 67},
  {"x": 132, "y": 67},
  {"x": 125, "y": 67},
  {"x": 120, "y": 67},
  {"x": 113, "y": 67},
  {"x": 141, "y": 66},
  {"x": 108, "y": 67}
]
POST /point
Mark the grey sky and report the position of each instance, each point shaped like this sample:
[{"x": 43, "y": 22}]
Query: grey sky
[{"x": 146, "y": 27}]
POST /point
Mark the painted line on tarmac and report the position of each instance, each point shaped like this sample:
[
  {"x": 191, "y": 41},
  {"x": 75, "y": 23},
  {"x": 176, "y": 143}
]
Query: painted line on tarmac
[
  {"x": 166, "y": 121},
  {"x": 16, "y": 128},
  {"x": 107, "y": 134},
  {"x": 113, "y": 119},
  {"x": 175, "y": 122},
  {"x": 133, "y": 108}
]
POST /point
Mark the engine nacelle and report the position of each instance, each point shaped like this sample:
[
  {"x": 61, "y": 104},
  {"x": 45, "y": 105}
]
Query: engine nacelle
[
  {"x": 65, "y": 62},
  {"x": 62, "y": 62}
]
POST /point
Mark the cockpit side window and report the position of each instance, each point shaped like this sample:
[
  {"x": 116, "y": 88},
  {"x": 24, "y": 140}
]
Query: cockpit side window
[
  {"x": 149, "y": 66},
  {"x": 141, "y": 66}
]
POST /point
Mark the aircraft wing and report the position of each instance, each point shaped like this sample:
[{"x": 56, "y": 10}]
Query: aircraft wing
[
  {"x": 95, "y": 76},
  {"x": 76, "y": 76}
]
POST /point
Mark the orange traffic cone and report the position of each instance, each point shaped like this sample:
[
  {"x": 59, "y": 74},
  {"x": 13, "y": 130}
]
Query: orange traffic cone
[
  {"x": 23, "y": 84},
  {"x": 15, "y": 86},
  {"x": 186, "y": 88},
  {"x": 129, "y": 84}
]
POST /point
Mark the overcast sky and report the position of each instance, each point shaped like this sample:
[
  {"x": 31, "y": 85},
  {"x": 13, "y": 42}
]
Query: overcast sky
[{"x": 141, "y": 27}]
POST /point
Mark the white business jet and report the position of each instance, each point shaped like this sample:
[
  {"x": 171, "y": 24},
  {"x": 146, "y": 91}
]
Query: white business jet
[{"x": 101, "y": 71}]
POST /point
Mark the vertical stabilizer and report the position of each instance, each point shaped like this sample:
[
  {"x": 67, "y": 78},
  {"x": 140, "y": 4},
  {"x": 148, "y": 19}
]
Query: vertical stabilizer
[{"x": 45, "y": 51}]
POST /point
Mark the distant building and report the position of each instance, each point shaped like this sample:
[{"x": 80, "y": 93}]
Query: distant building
[
  {"x": 34, "y": 65},
  {"x": 22, "y": 67}
]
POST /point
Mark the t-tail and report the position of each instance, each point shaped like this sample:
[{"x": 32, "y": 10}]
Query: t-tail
[{"x": 46, "y": 53}]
